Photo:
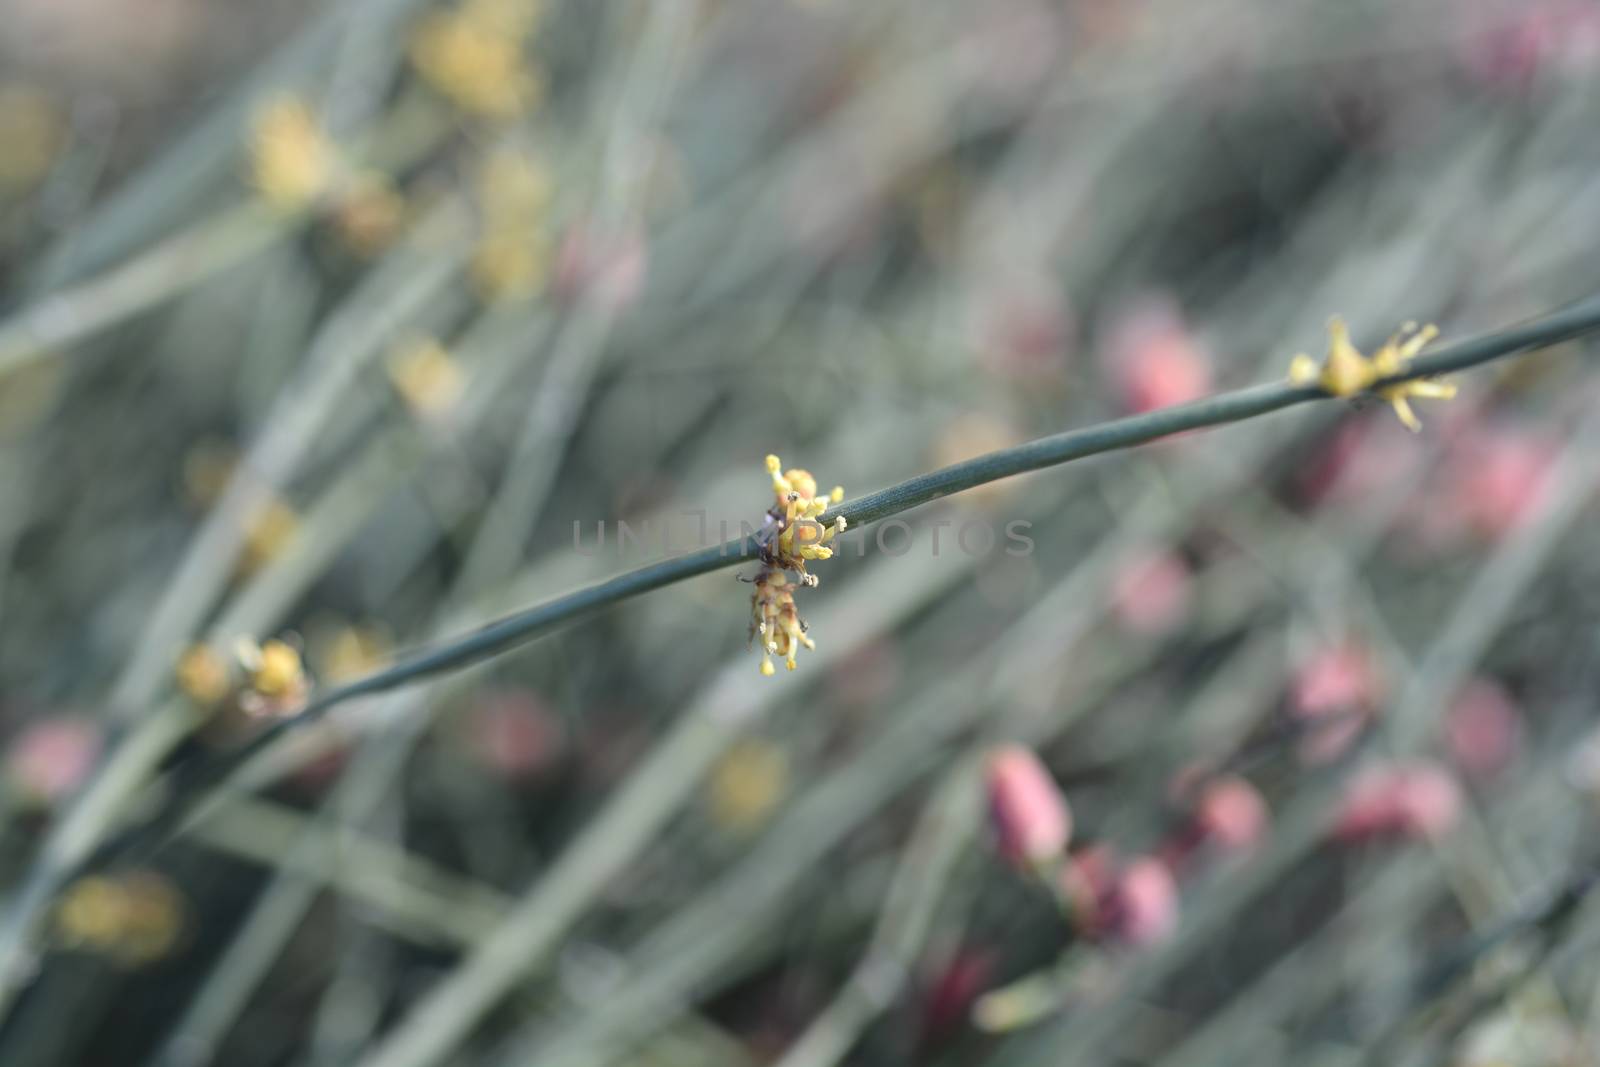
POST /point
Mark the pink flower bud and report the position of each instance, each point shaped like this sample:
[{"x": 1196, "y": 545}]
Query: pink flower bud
[
  {"x": 1150, "y": 594},
  {"x": 1333, "y": 693},
  {"x": 1483, "y": 728},
  {"x": 1231, "y": 813},
  {"x": 51, "y": 758},
  {"x": 1155, "y": 360},
  {"x": 1408, "y": 800},
  {"x": 1145, "y": 907},
  {"x": 1497, "y": 478},
  {"x": 1031, "y": 819},
  {"x": 514, "y": 734},
  {"x": 1361, "y": 461}
]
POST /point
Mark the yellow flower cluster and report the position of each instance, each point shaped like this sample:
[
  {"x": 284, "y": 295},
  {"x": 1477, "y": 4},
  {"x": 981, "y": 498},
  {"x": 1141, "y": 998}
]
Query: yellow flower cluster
[
  {"x": 134, "y": 918},
  {"x": 271, "y": 527},
  {"x": 1346, "y": 372},
  {"x": 428, "y": 379},
  {"x": 294, "y": 164},
  {"x": 513, "y": 254},
  {"x": 265, "y": 680},
  {"x": 295, "y": 167},
  {"x": 473, "y": 56},
  {"x": 791, "y": 536}
]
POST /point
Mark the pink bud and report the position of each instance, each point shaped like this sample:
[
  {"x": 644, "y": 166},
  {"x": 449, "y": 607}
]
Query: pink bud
[
  {"x": 1231, "y": 813},
  {"x": 1031, "y": 819},
  {"x": 1155, "y": 360},
  {"x": 1409, "y": 800},
  {"x": 514, "y": 734},
  {"x": 51, "y": 758},
  {"x": 1150, "y": 594},
  {"x": 1145, "y": 911},
  {"x": 1333, "y": 693},
  {"x": 1483, "y": 728},
  {"x": 1539, "y": 38},
  {"x": 1362, "y": 460},
  {"x": 1497, "y": 479}
]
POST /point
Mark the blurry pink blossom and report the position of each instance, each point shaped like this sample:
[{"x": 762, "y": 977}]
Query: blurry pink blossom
[
  {"x": 1539, "y": 39},
  {"x": 606, "y": 266},
  {"x": 1364, "y": 458},
  {"x": 1154, "y": 359},
  {"x": 1032, "y": 822},
  {"x": 51, "y": 758},
  {"x": 1231, "y": 813},
  {"x": 1150, "y": 594},
  {"x": 1145, "y": 907},
  {"x": 514, "y": 734},
  {"x": 1334, "y": 692},
  {"x": 1484, "y": 728},
  {"x": 1496, "y": 478},
  {"x": 1411, "y": 800},
  {"x": 1133, "y": 902}
]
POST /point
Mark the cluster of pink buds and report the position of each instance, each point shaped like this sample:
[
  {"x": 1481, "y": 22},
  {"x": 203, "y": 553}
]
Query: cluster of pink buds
[{"x": 791, "y": 535}]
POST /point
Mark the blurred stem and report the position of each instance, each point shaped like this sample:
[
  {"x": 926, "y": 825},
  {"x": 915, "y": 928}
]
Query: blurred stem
[
  {"x": 227, "y": 238},
  {"x": 946, "y": 826}
]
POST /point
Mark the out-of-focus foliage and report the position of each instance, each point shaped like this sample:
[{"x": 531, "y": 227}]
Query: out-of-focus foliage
[{"x": 330, "y": 330}]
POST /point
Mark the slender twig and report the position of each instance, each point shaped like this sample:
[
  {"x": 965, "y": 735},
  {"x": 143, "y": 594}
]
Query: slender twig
[
  {"x": 525, "y": 626},
  {"x": 535, "y": 622}
]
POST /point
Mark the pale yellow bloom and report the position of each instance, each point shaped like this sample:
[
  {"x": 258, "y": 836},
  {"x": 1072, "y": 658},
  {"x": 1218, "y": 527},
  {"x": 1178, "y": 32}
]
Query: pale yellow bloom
[
  {"x": 1346, "y": 372},
  {"x": 512, "y": 258},
  {"x": 272, "y": 526},
  {"x": 793, "y": 536},
  {"x": 473, "y": 56},
  {"x": 428, "y": 378},
  {"x": 134, "y": 918},
  {"x": 293, "y": 162},
  {"x": 746, "y": 785},
  {"x": 203, "y": 676}
]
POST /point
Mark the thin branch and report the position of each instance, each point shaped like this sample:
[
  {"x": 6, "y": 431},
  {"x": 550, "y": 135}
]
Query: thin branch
[{"x": 533, "y": 623}]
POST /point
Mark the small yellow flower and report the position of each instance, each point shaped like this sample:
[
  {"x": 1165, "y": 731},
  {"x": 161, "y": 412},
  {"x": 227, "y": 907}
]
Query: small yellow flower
[
  {"x": 747, "y": 783},
  {"x": 203, "y": 676},
  {"x": 512, "y": 259},
  {"x": 134, "y": 918},
  {"x": 508, "y": 267},
  {"x": 792, "y": 536},
  {"x": 352, "y": 652},
  {"x": 1346, "y": 372},
  {"x": 271, "y": 528},
  {"x": 278, "y": 671},
  {"x": 276, "y": 681},
  {"x": 427, "y": 378},
  {"x": 293, "y": 162},
  {"x": 473, "y": 56}
]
